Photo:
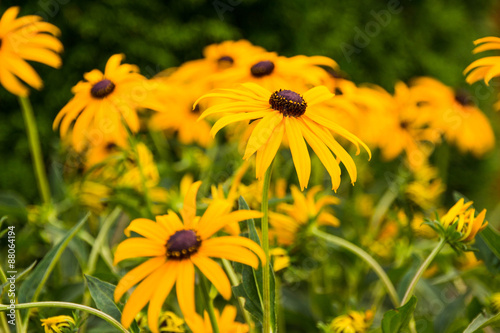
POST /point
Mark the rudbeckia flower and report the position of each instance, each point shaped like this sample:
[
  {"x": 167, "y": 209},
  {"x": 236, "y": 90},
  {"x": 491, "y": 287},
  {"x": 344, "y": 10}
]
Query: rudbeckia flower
[
  {"x": 426, "y": 187},
  {"x": 281, "y": 114},
  {"x": 352, "y": 322},
  {"x": 495, "y": 302},
  {"x": 175, "y": 247},
  {"x": 21, "y": 39},
  {"x": 485, "y": 68},
  {"x": 103, "y": 100},
  {"x": 294, "y": 218},
  {"x": 455, "y": 114},
  {"x": 462, "y": 218},
  {"x": 55, "y": 324},
  {"x": 273, "y": 72}
]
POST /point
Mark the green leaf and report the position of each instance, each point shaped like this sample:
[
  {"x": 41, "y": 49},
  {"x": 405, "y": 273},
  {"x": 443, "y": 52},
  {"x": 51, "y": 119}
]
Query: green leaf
[
  {"x": 488, "y": 244},
  {"x": 396, "y": 320},
  {"x": 102, "y": 294},
  {"x": 482, "y": 321},
  {"x": 31, "y": 288},
  {"x": 251, "y": 286},
  {"x": 492, "y": 238}
]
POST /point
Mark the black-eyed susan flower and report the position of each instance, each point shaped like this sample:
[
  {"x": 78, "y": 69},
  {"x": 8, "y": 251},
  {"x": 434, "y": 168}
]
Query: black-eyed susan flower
[
  {"x": 461, "y": 217},
  {"x": 352, "y": 322},
  {"x": 21, "y": 39},
  {"x": 58, "y": 324},
  {"x": 175, "y": 247},
  {"x": 216, "y": 59},
  {"x": 286, "y": 114},
  {"x": 104, "y": 101},
  {"x": 484, "y": 68},
  {"x": 291, "y": 219},
  {"x": 455, "y": 114},
  {"x": 273, "y": 72},
  {"x": 226, "y": 321},
  {"x": 177, "y": 114}
]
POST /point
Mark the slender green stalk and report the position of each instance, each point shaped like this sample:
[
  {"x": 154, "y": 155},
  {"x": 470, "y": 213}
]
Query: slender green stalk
[
  {"x": 36, "y": 151},
  {"x": 241, "y": 302},
  {"x": 68, "y": 305},
  {"x": 266, "y": 325},
  {"x": 363, "y": 255},
  {"x": 421, "y": 270},
  {"x": 3, "y": 321},
  {"x": 382, "y": 206},
  {"x": 209, "y": 305},
  {"x": 100, "y": 240}
]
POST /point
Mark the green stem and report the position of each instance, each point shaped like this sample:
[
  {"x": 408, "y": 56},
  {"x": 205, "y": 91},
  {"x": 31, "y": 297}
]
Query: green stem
[
  {"x": 421, "y": 270},
  {"x": 3, "y": 321},
  {"x": 36, "y": 151},
  {"x": 100, "y": 240},
  {"x": 241, "y": 301},
  {"x": 382, "y": 206},
  {"x": 209, "y": 305},
  {"x": 363, "y": 255},
  {"x": 68, "y": 305},
  {"x": 266, "y": 326}
]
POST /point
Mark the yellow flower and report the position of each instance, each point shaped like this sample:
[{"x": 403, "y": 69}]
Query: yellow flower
[
  {"x": 176, "y": 247},
  {"x": 462, "y": 218},
  {"x": 426, "y": 187},
  {"x": 177, "y": 114},
  {"x": 274, "y": 72},
  {"x": 21, "y": 39},
  {"x": 217, "y": 58},
  {"x": 226, "y": 322},
  {"x": 170, "y": 323},
  {"x": 103, "y": 100},
  {"x": 485, "y": 68},
  {"x": 92, "y": 195},
  {"x": 455, "y": 114},
  {"x": 280, "y": 258},
  {"x": 55, "y": 324},
  {"x": 305, "y": 208},
  {"x": 495, "y": 302},
  {"x": 352, "y": 322},
  {"x": 281, "y": 114}
]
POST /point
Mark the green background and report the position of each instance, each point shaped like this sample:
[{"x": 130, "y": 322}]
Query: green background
[{"x": 373, "y": 41}]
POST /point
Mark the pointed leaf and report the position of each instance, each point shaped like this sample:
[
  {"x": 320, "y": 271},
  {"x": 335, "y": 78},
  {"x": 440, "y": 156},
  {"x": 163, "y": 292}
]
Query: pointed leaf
[{"x": 396, "y": 320}]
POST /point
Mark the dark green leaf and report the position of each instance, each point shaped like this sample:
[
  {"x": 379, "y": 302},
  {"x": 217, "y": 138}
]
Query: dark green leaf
[
  {"x": 102, "y": 294},
  {"x": 32, "y": 286},
  {"x": 396, "y": 320}
]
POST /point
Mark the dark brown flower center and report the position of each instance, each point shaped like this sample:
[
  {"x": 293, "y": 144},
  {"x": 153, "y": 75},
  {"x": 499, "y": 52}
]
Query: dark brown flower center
[
  {"x": 262, "y": 68},
  {"x": 183, "y": 244},
  {"x": 102, "y": 88},
  {"x": 225, "y": 62},
  {"x": 288, "y": 102},
  {"x": 110, "y": 147},
  {"x": 338, "y": 91},
  {"x": 463, "y": 98}
]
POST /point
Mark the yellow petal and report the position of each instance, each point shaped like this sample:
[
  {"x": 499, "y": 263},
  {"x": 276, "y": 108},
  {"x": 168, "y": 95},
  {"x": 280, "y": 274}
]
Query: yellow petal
[
  {"x": 237, "y": 241},
  {"x": 214, "y": 273},
  {"x": 206, "y": 230},
  {"x": 300, "y": 154},
  {"x": 185, "y": 288},
  {"x": 261, "y": 133},
  {"x": 148, "y": 229},
  {"x": 266, "y": 153},
  {"x": 188, "y": 211},
  {"x": 138, "y": 247},
  {"x": 317, "y": 95}
]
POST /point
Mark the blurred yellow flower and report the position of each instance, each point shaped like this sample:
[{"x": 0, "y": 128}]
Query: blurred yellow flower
[
  {"x": 426, "y": 187},
  {"x": 462, "y": 218},
  {"x": 103, "y": 101},
  {"x": 21, "y": 39},
  {"x": 176, "y": 247},
  {"x": 169, "y": 322},
  {"x": 495, "y": 302},
  {"x": 280, "y": 258},
  {"x": 455, "y": 114},
  {"x": 286, "y": 113},
  {"x": 352, "y": 322},
  {"x": 55, "y": 324},
  {"x": 225, "y": 320},
  {"x": 292, "y": 218}
]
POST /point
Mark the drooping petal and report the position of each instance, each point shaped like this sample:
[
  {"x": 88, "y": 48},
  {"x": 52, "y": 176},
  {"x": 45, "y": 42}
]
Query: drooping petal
[
  {"x": 237, "y": 241},
  {"x": 300, "y": 154},
  {"x": 214, "y": 273},
  {"x": 185, "y": 288},
  {"x": 262, "y": 132},
  {"x": 206, "y": 230}
]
